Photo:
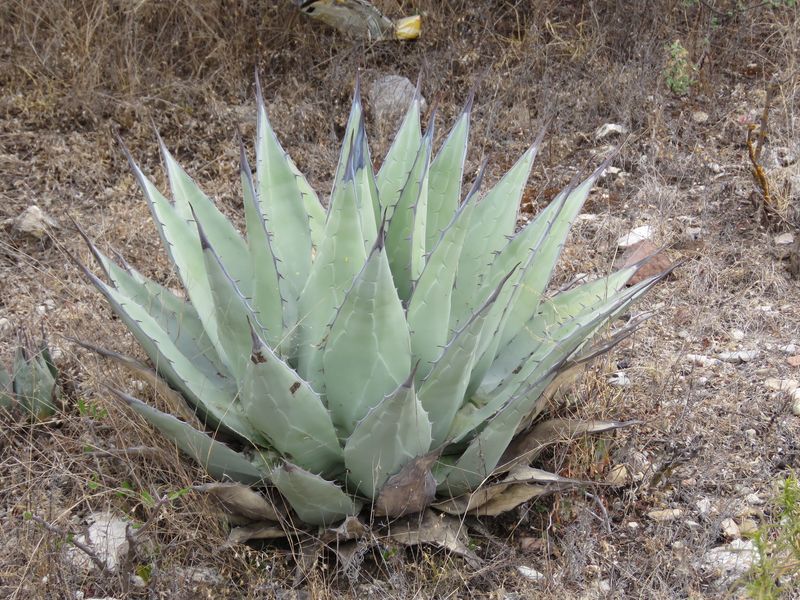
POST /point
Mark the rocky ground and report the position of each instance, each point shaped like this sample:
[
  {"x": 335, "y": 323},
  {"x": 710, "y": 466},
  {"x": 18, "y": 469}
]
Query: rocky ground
[{"x": 712, "y": 377}]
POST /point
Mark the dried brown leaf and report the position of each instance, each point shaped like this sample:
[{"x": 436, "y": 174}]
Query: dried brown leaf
[
  {"x": 265, "y": 530},
  {"x": 437, "y": 529},
  {"x": 409, "y": 491},
  {"x": 240, "y": 501}
]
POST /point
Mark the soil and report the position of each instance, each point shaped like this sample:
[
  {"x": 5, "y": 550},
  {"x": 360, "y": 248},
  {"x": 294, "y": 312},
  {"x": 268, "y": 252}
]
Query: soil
[{"x": 713, "y": 440}]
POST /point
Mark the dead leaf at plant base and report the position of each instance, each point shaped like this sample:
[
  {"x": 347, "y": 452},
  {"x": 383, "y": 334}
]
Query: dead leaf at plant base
[
  {"x": 410, "y": 490},
  {"x": 265, "y": 530},
  {"x": 438, "y": 530},
  {"x": 240, "y": 501}
]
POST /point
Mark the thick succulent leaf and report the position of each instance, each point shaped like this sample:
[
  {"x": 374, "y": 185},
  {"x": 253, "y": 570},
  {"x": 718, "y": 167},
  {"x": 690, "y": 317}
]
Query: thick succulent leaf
[
  {"x": 34, "y": 385},
  {"x": 519, "y": 251},
  {"x": 341, "y": 256},
  {"x": 534, "y": 280},
  {"x": 314, "y": 499},
  {"x": 480, "y": 458},
  {"x": 181, "y": 240},
  {"x": 484, "y": 451},
  {"x": 191, "y": 203},
  {"x": 490, "y": 340},
  {"x": 6, "y": 390},
  {"x": 446, "y": 176},
  {"x": 213, "y": 396},
  {"x": 177, "y": 317},
  {"x": 539, "y": 367},
  {"x": 355, "y": 143},
  {"x": 393, "y": 174},
  {"x": 232, "y": 312},
  {"x": 545, "y": 324},
  {"x": 270, "y": 290},
  {"x": 569, "y": 334},
  {"x": 428, "y": 312},
  {"x": 291, "y": 414},
  {"x": 442, "y": 392},
  {"x": 405, "y": 238},
  {"x": 366, "y": 187},
  {"x": 492, "y": 224},
  {"x": 219, "y": 460},
  {"x": 392, "y": 434},
  {"x": 368, "y": 351},
  {"x": 177, "y": 403},
  {"x": 285, "y": 197}
]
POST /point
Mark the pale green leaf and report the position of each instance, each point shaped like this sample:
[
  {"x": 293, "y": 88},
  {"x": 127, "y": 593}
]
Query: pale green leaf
[
  {"x": 289, "y": 413},
  {"x": 393, "y": 174},
  {"x": 270, "y": 290},
  {"x": 405, "y": 236},
  {"x": 190, "y": 199},
  {"x": 314, "y": 499},
  {"x": 368, "y": 351},
  {"x": 442, "y": 391},
  {"x": 429, "y": 308},
  {"x": 284, "y": 198},
  {"x": 215, "y": 457},
  {"x": 446, "y": 176},
  {"x": 535, "y": 278},
  {"x": 393, "y": 433},
  {"x": 492, "y": 224},
  {"x": 341, "y": 256}
]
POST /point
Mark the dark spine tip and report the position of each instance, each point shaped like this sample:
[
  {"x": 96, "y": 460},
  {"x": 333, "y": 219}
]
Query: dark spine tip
[
  {"x": 409, "y": 382},
  {"x": 380, "y": 240},
  {"x": 204, "y": 243},
  {"x": 469, "y": 103},
  {"x": 357, "y": 88}
]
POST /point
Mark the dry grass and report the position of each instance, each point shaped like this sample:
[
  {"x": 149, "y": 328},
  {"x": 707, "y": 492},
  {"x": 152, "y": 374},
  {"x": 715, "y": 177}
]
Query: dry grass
[{"x": 74, "y": 72}]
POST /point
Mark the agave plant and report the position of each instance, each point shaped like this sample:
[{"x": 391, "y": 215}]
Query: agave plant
[
  {"x": 392, "y": 351},
  {"x": 32, "y": 384}
]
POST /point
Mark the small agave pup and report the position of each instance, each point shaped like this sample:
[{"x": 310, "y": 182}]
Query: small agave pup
[{"x": 391, "y": 352}]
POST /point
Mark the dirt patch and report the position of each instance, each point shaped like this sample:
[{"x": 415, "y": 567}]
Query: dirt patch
[{"x": 714, "y": 438}]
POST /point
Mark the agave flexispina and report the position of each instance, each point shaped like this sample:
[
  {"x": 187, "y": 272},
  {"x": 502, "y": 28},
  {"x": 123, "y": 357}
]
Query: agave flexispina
[{"x": 391, "y": 351}]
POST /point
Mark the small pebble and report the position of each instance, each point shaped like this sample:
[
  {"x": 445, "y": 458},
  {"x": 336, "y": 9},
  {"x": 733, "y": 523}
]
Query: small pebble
[
  {"x": 740, "y": 356},
  {"x": 737, "y": 335},
  {"x": 618, "y": 475},
  {"x": 667, "y": 514},
  {"x": 619, "y": 379},
  {"x": 730, "y": 529},
  {"x": 608, "y": 129},
  {"x": 748, "y": 527},
  {"x": 754, "y": 499},
  {"x": 782, "y": 385},
  {"x": 789, "y": 348},
  {"x": 634, "y": 236},
  {"x": 702, "y": 360},
  {"x": 529, "y": 573},
  {"x": 703, "y": 506}
]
